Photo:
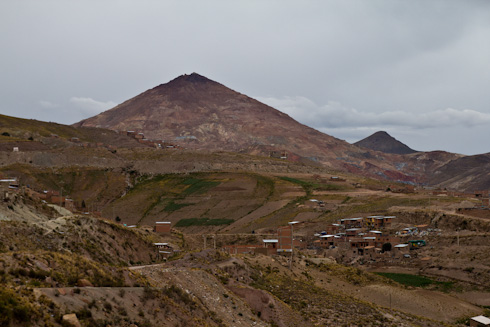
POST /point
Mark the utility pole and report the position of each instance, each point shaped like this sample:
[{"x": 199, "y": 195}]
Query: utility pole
[{"x": 291, "y": 223}]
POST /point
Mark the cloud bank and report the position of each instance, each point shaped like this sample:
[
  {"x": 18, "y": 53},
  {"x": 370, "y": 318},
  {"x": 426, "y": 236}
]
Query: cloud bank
[
  {"x": 335, "y": 115},
  {"x": 90, "y": 107}
]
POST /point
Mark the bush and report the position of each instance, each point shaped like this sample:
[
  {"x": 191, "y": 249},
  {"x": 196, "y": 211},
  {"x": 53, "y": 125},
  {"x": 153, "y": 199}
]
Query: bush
[
  {"x": 12, "y": 309},
  {"x": 107, "y": 306}
]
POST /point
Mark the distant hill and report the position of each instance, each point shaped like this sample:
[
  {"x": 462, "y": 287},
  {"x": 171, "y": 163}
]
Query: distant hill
[
  {"x": 384, "y": 142},
  {"x": 465, "y": 173},
  {"x": 35, "y": 135}
]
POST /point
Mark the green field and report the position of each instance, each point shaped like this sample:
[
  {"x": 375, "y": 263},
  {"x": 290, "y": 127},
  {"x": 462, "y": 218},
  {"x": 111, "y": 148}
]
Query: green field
[
  {"x": 417, "y": 281},
  {"x": 408, "y": 280},
  {"x": 203, "y": 222}
]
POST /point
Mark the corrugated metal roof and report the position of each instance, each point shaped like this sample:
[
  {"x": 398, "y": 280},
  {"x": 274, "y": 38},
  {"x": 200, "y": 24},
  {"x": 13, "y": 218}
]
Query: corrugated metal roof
[{"x": 482, "y": 320}]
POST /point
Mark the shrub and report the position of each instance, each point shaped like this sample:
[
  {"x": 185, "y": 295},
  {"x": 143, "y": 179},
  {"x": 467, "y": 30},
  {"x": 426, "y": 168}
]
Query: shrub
[
  {"x": 107, "y": 306},
  {"x": 12, "y": 309}
]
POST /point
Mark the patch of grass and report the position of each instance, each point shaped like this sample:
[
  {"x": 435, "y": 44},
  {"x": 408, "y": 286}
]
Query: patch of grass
[
  {"x": 418, "y": 281},
  {"x": 172, "y": 206},
  {"x": 352, "y": 275},
  {"x": 309, "y": 187},
  {"x": 197, "y": 186},
  {"x": 408, "y": 279},
  {"x": 265, "y": 183},
  {"x": 13, "y": 309},
  {"x": 203, "y": 222},
  {"x": 304, "y": 184},
  {"x": 347, "y": 198}
]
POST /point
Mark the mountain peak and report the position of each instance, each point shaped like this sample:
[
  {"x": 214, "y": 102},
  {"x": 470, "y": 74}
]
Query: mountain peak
[
  {"x": 193, "y": 78},
  {"x": 384, "y": 142},
  {"x": 190, "y": 83}
]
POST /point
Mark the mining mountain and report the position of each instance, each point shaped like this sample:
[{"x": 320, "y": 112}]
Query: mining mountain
[{"x": 198, "y": 113}]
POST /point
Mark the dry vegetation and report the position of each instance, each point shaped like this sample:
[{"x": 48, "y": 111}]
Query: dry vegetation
[{"x": 53, "y": 264}]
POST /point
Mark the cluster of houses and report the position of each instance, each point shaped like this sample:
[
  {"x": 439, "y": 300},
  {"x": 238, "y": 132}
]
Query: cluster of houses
[
  {"x": 363, "y": 235},
  {"x": 356, "y": 236},
  {"x": 53, "y": 197},
  {"x": 282, "y": 242},
  {"x": 140, "y": 137},
  {"x": 372, "y": 238},
  {"x": 8, "y": 186},
  {"x": 482, "y": 195},
  {"x": 164, "y": 250}
]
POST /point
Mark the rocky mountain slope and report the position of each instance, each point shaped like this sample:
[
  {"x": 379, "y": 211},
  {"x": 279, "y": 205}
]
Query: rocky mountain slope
[
  {"x": 203, "y": 114},
  {"x": 469, "y": 172},
  {"x": 207, "y": 118},
  {"x": 384, "y": 142}
]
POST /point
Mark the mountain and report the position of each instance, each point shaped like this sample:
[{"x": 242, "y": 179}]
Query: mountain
[
  {"x": 464, "y": 173},
  {"x": 204, "y": 114},
  {"x": 384, "y": 142},
  {"x": 201, "y": 114}
]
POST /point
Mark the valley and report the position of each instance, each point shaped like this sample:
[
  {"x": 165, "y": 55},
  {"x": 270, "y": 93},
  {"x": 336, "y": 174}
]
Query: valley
[
  {"x": 88, "y": 263},
  {"x": 188, "y": 219}
]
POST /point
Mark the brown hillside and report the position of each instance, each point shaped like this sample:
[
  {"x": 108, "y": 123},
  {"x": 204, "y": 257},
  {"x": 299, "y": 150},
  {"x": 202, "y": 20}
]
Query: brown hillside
[{"x": 199, "y": 113}]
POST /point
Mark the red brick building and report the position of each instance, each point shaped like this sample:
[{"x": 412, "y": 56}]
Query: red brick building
[{"x": 163, "y": 227}]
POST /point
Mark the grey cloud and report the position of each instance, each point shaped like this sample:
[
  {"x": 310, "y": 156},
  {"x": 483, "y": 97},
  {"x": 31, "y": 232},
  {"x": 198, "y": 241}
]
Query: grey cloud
[
  {"x": 90, "y": 106},
  {"x": 335, "y": 115},
  {"x": 385, "y": 63},
  {"x": 48, "y": 104}
]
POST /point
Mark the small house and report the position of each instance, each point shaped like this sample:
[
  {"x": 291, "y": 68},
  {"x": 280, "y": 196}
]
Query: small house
[
  {"x": 479, "y": 321},
  {"x": 241, "y": 249},
  {"x": 164, "y": 250},
  {"x": 162, "y": 227},
  {"x": 351, "y": 222},
  {"x": 270, "y": 247},
  {"x": 285, "y": 238}
]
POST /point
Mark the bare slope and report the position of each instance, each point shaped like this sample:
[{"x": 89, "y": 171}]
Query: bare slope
[{"x": 470, "y": 173}]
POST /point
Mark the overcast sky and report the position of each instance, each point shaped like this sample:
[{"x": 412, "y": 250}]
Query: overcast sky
[{"x": 418, "y": 69}]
